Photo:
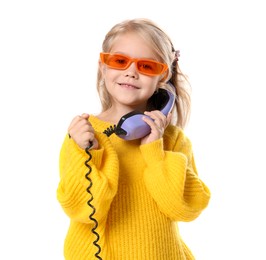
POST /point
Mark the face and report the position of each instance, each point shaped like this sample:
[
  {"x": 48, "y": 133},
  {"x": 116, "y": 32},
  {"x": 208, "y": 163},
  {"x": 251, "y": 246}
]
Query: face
[{"x": 129, "y": 88}]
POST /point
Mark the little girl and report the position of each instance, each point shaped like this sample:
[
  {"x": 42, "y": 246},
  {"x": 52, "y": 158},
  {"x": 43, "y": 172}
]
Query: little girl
[{"x": 124, "y": 198}]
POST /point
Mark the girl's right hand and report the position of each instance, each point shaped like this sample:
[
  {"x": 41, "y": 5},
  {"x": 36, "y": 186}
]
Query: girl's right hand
[{"x": 82, "y": 132}]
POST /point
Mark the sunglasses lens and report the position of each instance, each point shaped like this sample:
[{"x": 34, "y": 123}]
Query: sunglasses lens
[
  {"x": 116, "y": 61},
  {"x": 150, "y": 67}
]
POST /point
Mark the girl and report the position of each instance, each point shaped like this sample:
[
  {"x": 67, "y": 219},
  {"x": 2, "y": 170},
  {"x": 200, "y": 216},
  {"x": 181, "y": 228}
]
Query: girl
[{"x": 138, "y": 189}]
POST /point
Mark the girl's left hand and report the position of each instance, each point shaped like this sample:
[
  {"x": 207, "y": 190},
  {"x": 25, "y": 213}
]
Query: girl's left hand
[{"x": 158, "y": 122}]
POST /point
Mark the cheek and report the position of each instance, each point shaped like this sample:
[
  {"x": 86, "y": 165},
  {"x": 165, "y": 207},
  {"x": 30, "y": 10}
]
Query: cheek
[
  {"x": 110, "y": 74},
  {"x": 152, "y": 83},
  {"x": 110, "y": 78}
]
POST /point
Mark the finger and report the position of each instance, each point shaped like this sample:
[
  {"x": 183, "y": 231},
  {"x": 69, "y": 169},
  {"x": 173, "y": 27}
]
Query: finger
[
  {"x": 92, "y": 144},
  {"x": 82, "y": 129},
  {"x": 158, "y": 117},
  {"x": 90, "y": 141},
  {"x": 85, "y": 127},
  {"x": 148, "y": 120},
  {"x": 89, "y": 146},
  {"x": 155, "y": 114},
  {"x": 165, "y": 120},
  {"x": 79, "y": 127}
]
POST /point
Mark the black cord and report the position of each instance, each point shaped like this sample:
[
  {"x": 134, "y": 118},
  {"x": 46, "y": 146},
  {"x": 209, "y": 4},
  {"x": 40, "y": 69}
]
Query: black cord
[
  {"x": 89, "y": 202},
  {"x": 110, "y": 130}
]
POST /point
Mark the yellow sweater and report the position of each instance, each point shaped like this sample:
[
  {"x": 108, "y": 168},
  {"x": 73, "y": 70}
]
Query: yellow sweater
[{"x": 140, "y": 193}]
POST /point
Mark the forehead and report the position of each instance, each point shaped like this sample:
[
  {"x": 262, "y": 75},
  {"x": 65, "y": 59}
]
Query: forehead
[{"x": 134, "y": 45}]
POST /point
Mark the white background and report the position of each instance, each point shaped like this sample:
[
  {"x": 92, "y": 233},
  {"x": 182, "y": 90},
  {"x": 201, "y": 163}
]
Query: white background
[{"x": 48, "y": 63}]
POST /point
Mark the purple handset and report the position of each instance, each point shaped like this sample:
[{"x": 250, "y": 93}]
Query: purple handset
[{"x": 131, "y": 126}]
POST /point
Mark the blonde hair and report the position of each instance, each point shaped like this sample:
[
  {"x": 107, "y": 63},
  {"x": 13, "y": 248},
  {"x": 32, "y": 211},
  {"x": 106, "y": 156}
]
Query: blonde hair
[{"x": 165, "y": 53}]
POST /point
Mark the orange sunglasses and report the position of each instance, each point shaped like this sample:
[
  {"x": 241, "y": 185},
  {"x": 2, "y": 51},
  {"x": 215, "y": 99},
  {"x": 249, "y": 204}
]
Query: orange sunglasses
[{"x": 122, "y": 62}]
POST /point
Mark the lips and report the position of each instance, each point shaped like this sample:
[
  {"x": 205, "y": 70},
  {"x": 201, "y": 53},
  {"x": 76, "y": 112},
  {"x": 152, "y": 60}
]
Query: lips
[{"x": 126, "y": 85}]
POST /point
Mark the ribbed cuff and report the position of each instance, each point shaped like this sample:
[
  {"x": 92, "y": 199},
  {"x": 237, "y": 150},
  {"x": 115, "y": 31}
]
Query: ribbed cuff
[{"x": 153, "y": 152}]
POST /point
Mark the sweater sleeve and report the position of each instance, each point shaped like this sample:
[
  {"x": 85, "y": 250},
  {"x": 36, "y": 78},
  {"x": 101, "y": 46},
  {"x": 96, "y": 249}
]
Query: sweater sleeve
[
  {"x": 72, "y": 189},
  {"x": 171, "y": 178}
]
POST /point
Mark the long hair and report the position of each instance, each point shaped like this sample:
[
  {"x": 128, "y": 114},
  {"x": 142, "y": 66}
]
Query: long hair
[{"x": 165, "y": 52}]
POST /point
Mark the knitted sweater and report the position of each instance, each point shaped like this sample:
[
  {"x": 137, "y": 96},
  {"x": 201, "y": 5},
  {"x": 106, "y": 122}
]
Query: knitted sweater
[{"x": 140, "y": 193}]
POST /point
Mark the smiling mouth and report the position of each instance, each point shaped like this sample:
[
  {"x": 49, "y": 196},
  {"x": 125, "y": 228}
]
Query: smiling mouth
[{"x": 127, "y": 85}]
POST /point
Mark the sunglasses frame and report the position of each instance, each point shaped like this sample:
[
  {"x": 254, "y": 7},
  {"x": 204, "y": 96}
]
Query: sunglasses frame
[{"x": 135, "y": 60}]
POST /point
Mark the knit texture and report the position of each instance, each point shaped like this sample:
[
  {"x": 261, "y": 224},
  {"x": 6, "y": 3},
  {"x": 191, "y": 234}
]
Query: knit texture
[{"x": 140, "y": 193}]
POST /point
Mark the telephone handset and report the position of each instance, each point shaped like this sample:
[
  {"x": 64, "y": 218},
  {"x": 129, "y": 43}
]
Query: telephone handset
[{"x": 131, "y": 126}]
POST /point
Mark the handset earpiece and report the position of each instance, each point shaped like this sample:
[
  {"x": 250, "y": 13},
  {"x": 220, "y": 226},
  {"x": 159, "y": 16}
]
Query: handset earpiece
[{"x": 131, "y": 126}]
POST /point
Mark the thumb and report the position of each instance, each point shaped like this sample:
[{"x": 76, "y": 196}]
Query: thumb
[{"x": 85, "y": 115}]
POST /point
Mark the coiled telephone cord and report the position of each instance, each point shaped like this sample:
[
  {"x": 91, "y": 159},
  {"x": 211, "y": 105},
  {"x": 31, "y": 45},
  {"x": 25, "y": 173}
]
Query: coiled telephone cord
[{"x": 90, "y": 204}]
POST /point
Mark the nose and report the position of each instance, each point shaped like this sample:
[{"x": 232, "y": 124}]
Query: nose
[{"x": 132, "y": 71}]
